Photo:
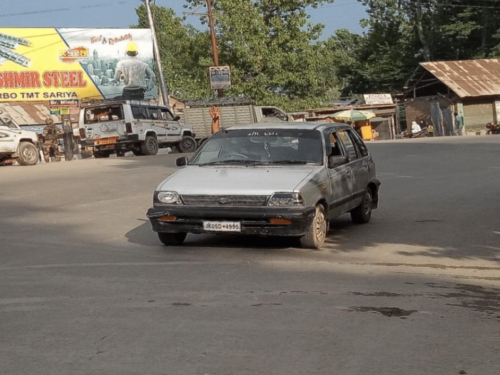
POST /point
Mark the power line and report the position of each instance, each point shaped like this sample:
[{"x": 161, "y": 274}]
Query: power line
[{"x": 66, "y": 9}]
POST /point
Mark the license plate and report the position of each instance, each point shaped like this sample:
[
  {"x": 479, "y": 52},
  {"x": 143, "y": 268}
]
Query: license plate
[
  {"x": 106, "y": 141},
  {"x": 222, "y": 226}
]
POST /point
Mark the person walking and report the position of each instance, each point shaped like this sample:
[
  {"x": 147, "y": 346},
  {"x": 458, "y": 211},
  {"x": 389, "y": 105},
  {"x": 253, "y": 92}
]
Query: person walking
[
  {"x": 50, "y": 138},
  {"x": 459, "y": 123}
]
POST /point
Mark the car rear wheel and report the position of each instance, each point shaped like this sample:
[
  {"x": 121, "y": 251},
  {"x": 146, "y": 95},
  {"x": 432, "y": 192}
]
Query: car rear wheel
[
  {"x": 363, "y": 213},
  {"x": 28, "y": 154},
  {"x": 172, "y": 239},
  {"x": 188, "y": 144},
  {"x": 316, "y": 233},
  {"x": 150, "y": 146}
]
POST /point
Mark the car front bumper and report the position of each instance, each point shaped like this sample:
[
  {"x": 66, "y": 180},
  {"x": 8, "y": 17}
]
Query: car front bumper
[{"x": 254, "y": 220}]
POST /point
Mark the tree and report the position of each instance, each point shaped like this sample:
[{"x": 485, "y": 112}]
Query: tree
[
  {"x": 184, "y": 51},
  {"x": 274, "y": 53}
]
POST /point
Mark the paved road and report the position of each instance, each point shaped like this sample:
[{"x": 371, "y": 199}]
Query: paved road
[{"x": 86, "y": 288}]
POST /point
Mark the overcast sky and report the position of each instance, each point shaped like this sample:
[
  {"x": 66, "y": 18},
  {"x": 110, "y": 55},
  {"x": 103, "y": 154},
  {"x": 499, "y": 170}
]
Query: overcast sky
[{"x": 121, "y": 14}]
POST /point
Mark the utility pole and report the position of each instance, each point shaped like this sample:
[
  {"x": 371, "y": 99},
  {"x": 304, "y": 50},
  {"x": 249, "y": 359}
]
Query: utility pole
[
  {"x": 156, "y": 51},
  {"x": 213, "y": 41}
]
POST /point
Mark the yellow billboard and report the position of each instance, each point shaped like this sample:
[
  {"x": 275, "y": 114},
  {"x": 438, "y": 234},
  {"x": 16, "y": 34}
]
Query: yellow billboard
[{"x": 50, "y": 64}]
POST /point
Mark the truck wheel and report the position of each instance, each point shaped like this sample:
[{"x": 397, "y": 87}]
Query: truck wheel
[
  {"x": 188, "y": 144},
  {"x": 28, "y": 154},
  {"x": 150, "y": 146},
  {"x": 316, "y": 233},
  {"x": 172, "y": 239},
  {"x": 363, "y": 213},
  {"x": 102, "y": 154}
]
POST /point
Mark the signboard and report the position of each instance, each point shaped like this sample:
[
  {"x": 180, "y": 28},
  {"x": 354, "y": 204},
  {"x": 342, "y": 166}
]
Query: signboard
[
  {"x": 64, "y": 103},
  {"x": 71, "y": 64},
  {"x": 378, "y": 98},
  {"x": 220, "y": 77}
]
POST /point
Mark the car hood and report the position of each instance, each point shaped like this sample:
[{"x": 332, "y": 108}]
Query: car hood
[{"x": 237, "y": 180}]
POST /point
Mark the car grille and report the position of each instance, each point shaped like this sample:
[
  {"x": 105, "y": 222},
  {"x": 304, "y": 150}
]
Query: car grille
[{"x": 225, "y": 200}]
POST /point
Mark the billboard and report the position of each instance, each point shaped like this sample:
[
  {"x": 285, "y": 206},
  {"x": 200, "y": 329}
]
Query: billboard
[{"x": 73, "y": 63}]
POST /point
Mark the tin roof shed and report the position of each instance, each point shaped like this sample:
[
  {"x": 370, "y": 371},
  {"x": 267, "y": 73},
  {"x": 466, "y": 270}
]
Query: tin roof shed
[{"x": 465, "y": 78}]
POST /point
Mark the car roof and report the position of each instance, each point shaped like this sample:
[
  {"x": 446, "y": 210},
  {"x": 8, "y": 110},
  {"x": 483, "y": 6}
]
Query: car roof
[{"x": 290, "y": 125}]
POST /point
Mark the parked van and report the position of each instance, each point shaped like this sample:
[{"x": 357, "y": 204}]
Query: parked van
[{"x": 139, "y": 126}]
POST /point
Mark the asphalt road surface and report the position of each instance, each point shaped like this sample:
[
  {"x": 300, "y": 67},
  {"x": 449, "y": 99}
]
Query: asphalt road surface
[{"x": 87, "y": 288}]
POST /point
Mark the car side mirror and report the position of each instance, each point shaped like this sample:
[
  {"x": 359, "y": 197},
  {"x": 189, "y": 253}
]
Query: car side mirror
[
  {"x": 177, "y": 118},
  {"x": 181, "y": 162},
  {"x": 335, "y": 161}
]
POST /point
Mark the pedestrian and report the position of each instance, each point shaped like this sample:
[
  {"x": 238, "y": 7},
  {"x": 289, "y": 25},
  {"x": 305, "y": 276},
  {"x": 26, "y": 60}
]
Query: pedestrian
[
  {"x": 415, "y": 128},
  {"x": 137, "y": 75},
  {"x": 459, "y": 123},
  {"x": 50, "y": 138},
  {"x": 430, "y": 130}
]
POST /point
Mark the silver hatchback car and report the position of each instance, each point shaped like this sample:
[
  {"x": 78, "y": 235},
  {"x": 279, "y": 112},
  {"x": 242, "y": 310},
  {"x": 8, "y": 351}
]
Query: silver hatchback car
[{"x": 280, "y": 179}]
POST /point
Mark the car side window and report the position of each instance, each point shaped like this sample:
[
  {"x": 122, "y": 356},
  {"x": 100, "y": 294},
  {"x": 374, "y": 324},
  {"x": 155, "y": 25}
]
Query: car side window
[
  {"x": 153, "y": 114},
  {"x": 166, "y": 115},
  {"x": 139, "y": 113},
  {"x": 334, "y": 148},
  {"x": 349, "y": 146},
  {"x": 360, "y": 145}
]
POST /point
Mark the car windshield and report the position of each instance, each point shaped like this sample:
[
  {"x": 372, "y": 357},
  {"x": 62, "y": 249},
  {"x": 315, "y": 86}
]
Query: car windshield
[
  {"x": 7, "y": 122},
  {"x": 261, "y": 146}
]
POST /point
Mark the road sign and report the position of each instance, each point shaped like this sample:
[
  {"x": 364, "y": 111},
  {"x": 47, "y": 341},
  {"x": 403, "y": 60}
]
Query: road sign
[{"x": 220, "y": 77}]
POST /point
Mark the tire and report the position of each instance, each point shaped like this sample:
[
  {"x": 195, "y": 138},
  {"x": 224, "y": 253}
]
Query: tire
[
  {"x": 316, "y": 233},
  {"x": 363, "y": 213},
  {"x": 102, "y": 154},
  {"x": 28, "y": 154},
  {"x": 150, "y": 145},
  {"x": 172, "y": 239},
  {"x": 188, "y": 144}
]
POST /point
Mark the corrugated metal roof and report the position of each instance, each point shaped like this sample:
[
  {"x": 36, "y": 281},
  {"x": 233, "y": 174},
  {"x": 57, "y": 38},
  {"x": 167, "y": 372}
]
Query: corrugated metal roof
[
  {"x": 27, "y": 113},
  {"x": 468, "y": 78}
]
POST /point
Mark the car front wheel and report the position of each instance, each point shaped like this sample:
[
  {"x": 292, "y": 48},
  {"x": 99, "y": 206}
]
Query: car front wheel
[
  {"x": 172, "y": 239},
  {"x": 28, "y": 154},
  {"x": 188, "y": 144},
  {"x": 316, "y": 233},
  {"x": 363, "y": 213}
]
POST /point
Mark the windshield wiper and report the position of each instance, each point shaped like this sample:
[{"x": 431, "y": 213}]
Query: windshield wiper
[
  {"x": 231, "y": 161},
  {"x": 289, "y": 162}
]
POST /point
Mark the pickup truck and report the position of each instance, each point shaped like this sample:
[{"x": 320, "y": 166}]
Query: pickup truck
[
  {"x": 17, "y": 144},
  {"x": 233, "y": 111},
  {"x": 118, "y": 126}
]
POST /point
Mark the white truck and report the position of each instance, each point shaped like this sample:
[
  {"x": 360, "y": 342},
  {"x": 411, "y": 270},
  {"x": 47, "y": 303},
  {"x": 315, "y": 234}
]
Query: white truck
[
  {"x": 17, "y": 144},
  {"x": 140, "y": 126},
  {"x": 233, "y": 111}
]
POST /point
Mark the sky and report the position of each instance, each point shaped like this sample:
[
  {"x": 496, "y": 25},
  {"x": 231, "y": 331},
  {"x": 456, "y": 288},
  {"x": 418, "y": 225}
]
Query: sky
[{"x": 121, "y": 14}]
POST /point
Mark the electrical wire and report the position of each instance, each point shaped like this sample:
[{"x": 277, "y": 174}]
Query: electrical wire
[{"x": 66, "y": 9}]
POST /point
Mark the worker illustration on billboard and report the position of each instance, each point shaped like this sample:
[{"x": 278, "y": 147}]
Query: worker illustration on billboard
[{"x": 137, "y": 76}]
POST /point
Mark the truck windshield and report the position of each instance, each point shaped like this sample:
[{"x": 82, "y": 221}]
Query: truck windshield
[
  {"x": 103, "y": 113},
  {"x": 262, "y": 146}
]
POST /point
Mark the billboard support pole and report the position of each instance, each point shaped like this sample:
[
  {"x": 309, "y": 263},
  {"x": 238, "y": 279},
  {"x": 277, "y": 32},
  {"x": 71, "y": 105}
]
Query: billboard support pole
[{"x": 163, "y": 87}]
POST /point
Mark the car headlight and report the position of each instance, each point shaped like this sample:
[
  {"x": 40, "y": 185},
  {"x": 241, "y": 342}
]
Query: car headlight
[
  {"x": 168, "y": 197},
  {"x": 286, "y": 199}
]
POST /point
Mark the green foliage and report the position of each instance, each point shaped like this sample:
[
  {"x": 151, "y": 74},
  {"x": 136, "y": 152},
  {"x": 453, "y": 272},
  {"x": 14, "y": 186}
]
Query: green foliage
[
  {"x": 276, "y": 55},
  {"x": 184, "y": 51}
]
